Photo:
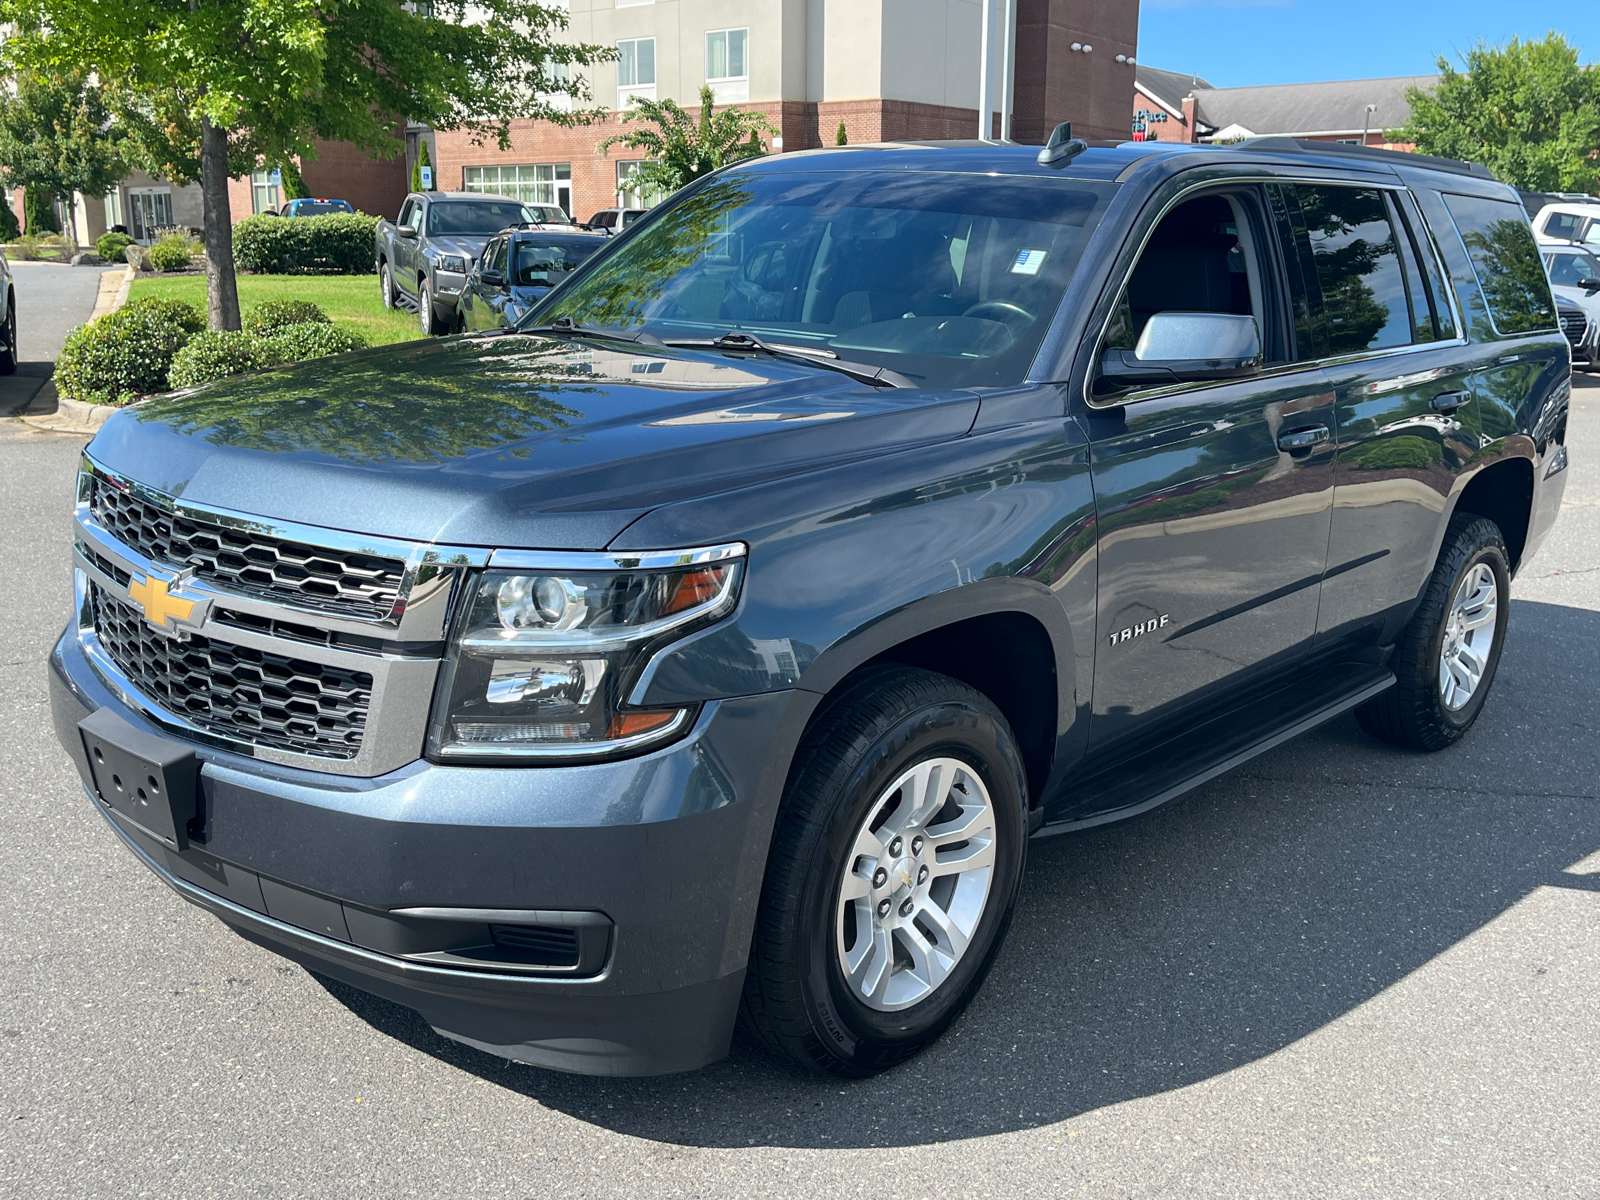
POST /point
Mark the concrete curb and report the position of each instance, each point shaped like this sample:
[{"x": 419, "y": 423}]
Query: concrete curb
[
  {"x": 113, "y": 291},
  {"x": 75, "y": 416},
  {"x": 70, "y": 416}
]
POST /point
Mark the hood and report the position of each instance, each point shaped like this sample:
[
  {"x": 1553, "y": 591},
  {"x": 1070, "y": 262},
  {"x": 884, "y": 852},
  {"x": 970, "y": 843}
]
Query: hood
[
  {"x": 468, "y": 246},
  {"x": 509, "y": 439}
]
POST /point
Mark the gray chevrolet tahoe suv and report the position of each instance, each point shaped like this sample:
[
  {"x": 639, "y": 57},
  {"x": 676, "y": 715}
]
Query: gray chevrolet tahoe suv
[{"x": 710, "y": 644}]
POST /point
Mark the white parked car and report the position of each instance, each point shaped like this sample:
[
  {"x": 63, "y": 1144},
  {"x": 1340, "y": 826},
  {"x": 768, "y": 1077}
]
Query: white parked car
[
  {"x": 1577, "y": 222},
  {"x": 1575, "y": 277}
]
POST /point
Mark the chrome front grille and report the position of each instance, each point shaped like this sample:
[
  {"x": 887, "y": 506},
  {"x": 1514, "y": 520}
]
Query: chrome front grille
[
  {"x": 294, "y": 644},
  {"x": 238, "y": 692},
  {"x": 243, "y": 560},
  {"x": 1574, "y": 323}
]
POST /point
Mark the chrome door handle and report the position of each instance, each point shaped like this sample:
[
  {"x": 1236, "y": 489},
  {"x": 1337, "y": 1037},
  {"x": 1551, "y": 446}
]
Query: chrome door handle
[
  {"x": 1297, "y": 441},
  {"x": 1448, "y": 402}
]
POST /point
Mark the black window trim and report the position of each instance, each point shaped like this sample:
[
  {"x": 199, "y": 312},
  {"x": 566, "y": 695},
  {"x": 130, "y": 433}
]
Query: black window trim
[{"x": 1257, "y": 180}]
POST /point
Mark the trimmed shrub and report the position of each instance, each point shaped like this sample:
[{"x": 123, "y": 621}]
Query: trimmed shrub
[
  {"x": 126, "y": 353},
  {"x": 9, "y": 227},
  {"x": 272, "y": 315},
  {"x": 216, "y": 353},
  {"x": 39, "y": 212},
  {"x": 112, "y": 246},
  {"x": 312, "y": 339},
  {"x": 336, "y": 244},
  {"x": 171, "y": 254}
]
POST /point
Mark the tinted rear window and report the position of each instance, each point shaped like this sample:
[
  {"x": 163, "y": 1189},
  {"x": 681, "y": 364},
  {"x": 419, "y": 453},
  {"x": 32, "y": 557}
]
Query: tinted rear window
[{"x": 1505, "y": 259}]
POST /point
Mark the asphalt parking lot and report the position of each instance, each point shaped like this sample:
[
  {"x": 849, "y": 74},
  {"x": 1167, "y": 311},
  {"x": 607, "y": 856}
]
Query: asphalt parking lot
[{"x": 1341, "y": 970}]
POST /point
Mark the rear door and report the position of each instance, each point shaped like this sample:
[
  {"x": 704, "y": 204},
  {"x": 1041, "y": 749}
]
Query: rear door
[
  {"x": 1405, "y": 387},
  {"x": 1213, "y": 533}
]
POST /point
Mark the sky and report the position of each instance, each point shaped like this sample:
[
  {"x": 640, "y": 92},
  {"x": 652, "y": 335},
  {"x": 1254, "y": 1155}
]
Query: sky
[{"x": 1237, "y": 43}]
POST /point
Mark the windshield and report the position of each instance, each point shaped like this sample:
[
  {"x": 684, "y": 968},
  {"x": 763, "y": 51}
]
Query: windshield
[
  {"x": 550, "y": 214},
  {"x": 948, "y": 279},
  {"x": 1569, "y": 269},
  {"x": 541, "y": 264},
  {"x": 475, "y": 216}
]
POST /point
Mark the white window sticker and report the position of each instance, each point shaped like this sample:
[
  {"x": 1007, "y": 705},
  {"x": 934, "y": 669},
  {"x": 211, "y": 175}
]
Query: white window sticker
[{"x": 1028, "y": 262}]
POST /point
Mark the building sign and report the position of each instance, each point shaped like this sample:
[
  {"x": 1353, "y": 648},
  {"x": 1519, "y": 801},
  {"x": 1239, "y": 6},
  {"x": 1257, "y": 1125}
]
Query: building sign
[{"x": 1142, "y": 120}]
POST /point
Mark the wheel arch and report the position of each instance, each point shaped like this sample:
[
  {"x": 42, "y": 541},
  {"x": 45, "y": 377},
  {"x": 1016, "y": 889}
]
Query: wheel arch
[
  {"x": 1503, "y": 492},
  {"x": 1007, "y": 637}
]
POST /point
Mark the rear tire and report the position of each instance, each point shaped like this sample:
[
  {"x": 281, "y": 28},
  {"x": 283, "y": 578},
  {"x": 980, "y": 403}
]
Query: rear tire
[
  {"x": 893, "y": 873},
  {"x": 1446, "y": 659}
]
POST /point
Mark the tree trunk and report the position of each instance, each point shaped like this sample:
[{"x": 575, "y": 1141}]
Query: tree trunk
[{"x": 222, "y": 286}]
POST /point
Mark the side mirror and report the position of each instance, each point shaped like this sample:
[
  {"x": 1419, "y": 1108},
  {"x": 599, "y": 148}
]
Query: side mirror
[
  {"x": 491, "y": 278},
  {"x": 406, "y": 231},
  {"x": 1589, "y": 284},
  {"x": 1179, "y": 347}
]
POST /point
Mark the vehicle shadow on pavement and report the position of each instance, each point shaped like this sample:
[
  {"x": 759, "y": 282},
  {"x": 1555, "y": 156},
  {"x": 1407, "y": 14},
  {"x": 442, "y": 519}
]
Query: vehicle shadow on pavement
[{"x": 1164, "y": 951}]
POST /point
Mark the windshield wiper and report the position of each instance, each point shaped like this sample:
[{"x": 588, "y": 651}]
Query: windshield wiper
[
  {"x": 567, "y": 327},
  {"x": 739, "y": 340}
]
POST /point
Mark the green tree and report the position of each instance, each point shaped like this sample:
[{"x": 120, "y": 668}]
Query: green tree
[
  {"x": 39, "y": 212},
  {"x": 206, "y": 89},
  {"x": 56, "y": 138},
  {"x": 841, "y": 138},
  {"x": 422, "y": 161},
  {"x": 8, "y": 219},
  {"x": 681, "y": 148},
  {"x": 1526, "y": 110},
  {"x": 292, "y": 187}
]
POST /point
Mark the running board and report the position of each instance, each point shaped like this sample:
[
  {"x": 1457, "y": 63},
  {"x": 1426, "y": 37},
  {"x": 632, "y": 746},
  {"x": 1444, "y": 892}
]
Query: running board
[{"x": 1204, "y": 755}]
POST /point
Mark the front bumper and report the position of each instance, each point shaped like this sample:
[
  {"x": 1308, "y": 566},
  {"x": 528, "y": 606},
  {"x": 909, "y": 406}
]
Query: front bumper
[{"x": 367, "y": 880}]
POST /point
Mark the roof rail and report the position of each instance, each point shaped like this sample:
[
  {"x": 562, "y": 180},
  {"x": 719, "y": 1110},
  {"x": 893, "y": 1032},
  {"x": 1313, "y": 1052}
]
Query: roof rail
[{"x": 1291, "y": 145}]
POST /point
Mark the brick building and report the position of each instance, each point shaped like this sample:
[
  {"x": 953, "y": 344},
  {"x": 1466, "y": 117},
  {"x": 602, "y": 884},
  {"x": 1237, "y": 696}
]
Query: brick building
[
  {"x": 887, "y": 69},
  {"x": 340, "y": 171},
  {"x": 1170, "y": 106}
]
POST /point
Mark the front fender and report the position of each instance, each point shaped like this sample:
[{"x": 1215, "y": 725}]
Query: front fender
[{"x": 849, "y": 562}]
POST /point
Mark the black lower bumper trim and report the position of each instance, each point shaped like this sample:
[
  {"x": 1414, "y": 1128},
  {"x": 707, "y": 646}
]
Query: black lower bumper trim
[{"x": 562, "y": 1024}]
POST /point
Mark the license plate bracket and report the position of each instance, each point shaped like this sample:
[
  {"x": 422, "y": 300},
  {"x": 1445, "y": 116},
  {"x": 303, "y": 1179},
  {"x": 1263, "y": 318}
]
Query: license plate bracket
[{"x": 152, "y": 781}]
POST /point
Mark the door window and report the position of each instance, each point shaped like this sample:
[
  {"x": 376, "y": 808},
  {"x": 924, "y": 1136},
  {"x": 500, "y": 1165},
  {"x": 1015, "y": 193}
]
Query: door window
[
  {"x": 1569, "y": 268},
  {"x": 1418, "y": 250},
  {"x": 1357, "y": 262},
  {"x": 1505, "y": 260},
  {"x": 498, "y": 261},
  {"x": 408, "y": 214},
  {"x": 1201, "y": 257}
]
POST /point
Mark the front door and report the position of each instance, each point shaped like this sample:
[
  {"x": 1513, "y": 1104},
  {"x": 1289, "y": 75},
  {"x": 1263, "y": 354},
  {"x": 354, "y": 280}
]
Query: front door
[{"x": 1214, "y": 499}]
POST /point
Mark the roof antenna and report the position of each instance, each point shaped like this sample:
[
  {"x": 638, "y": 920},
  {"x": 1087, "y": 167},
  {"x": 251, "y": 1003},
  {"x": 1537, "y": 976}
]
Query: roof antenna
[{"x": 1061, "y": 147}]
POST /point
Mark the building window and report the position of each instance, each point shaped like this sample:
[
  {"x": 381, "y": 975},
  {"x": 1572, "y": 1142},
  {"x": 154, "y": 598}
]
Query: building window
[
  {"x": 113, "y": 208},
  {"x": 728, "y": 64},
  {"x": 559, "y": 74},
  {"x": 633, "y": 3},
  {"x": 534, "y": 183},
  {"x": 628, "y": 194},
  {"x": 636, "y": 70},
  {"x": 263, "y": 192}
]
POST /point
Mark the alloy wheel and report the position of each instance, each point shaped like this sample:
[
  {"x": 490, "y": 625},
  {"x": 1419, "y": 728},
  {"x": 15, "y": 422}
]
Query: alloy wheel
[
  {"x": 1468, "y": 636},
  {"x": 915, "y": 884}
]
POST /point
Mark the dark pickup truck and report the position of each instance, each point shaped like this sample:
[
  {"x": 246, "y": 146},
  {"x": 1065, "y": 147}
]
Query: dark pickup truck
[
  {"x": 423, "y": 257},
  {"x": 715, "y": 639}
]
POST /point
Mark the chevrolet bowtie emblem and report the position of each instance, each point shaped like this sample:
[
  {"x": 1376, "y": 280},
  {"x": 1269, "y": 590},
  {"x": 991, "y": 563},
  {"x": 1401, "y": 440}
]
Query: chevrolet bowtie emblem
[{"x": 161, "y": 608}]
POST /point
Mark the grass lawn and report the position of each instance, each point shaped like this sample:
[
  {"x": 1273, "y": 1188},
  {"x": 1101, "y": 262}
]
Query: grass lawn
[{"x": 350, "y": 300}]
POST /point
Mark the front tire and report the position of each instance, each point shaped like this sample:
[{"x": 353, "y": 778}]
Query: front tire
[
  {"x": 425, "y": 318},
  {"x": 386, "y": 285},
  {"x": 893, "y": 873},
  {"x": 1446, "y": 659},
  {"x": 8, "y": 356}
]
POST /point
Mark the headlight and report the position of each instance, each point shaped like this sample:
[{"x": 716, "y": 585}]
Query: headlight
[
  {"x": 542, "y": 656},
  {"x": 453, "y": 262}
]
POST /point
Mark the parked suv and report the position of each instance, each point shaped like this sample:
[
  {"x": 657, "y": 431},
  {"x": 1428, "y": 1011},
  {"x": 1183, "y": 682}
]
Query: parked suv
[
  {"x": 716, "y": 639},
  {"x": 423, "y": 258}
]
